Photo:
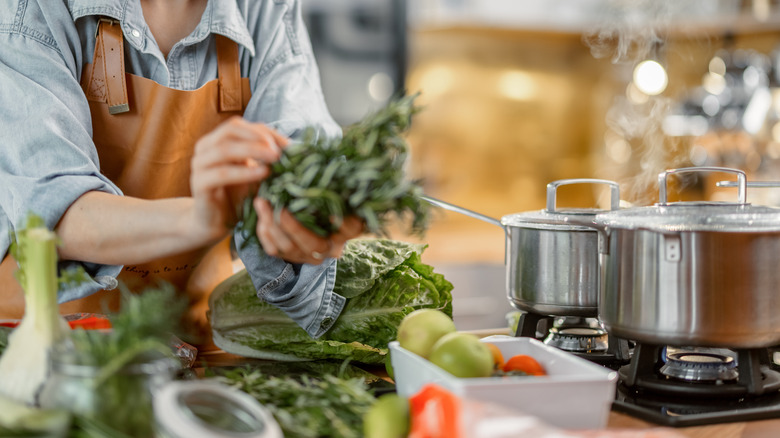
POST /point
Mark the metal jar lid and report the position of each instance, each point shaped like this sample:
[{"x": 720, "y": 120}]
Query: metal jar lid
[
  {"x": 666, "y": 216},
  {"x": 209, "y": 409},
  {"x": 552, "y": 218}
]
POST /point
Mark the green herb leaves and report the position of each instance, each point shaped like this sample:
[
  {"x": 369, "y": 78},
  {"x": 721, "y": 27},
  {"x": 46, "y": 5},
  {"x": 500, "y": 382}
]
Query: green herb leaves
[
  {"x": 321, "y": 181},
  {"x": 326, "y": 406}
]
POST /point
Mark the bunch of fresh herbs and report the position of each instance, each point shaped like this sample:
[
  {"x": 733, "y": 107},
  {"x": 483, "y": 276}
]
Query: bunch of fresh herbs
[
  {"x": 308, "y": 406},
  {"x": 126, "y": 361},
  {"x": 323, "y": 180}
]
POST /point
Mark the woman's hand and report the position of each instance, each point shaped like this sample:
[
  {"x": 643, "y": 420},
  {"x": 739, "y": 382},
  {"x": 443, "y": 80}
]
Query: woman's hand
[
  {"x": 290, "y": 240},
  {"x": 228, "y": 163}
]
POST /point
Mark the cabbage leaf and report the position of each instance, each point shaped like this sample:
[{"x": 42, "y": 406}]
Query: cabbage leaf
[{"x": 382, "y": 279}]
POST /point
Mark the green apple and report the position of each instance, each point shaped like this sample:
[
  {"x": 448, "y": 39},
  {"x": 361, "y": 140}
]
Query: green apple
[
  {"x": 388, "y": 417},
  {"x": 462, "y": 355},
  {"x": 420, "y": 329}
]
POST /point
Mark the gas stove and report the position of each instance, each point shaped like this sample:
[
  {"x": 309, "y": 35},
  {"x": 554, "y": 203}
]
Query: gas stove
[
  {"x": 688, "y": 386},
  {"x": 583, "y": 337}
]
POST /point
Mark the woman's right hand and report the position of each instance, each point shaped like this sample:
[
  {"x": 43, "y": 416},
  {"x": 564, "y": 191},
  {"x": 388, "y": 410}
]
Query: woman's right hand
[{"x": 228, "y": 163}]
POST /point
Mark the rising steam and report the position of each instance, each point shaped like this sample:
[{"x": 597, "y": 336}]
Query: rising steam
[{"x": 632, "y": 31}]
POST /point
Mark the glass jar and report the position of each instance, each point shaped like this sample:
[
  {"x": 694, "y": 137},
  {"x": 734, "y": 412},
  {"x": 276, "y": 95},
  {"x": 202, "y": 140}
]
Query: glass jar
[
  {"x": 120, "y": 400},
  {"x": 209, "y": 409}
]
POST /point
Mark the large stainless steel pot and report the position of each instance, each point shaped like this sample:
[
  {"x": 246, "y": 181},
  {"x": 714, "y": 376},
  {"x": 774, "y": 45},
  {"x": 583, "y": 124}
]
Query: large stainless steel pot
[
  {"x": 692, "y": 273},
  {"x": 552, "y": 264}
]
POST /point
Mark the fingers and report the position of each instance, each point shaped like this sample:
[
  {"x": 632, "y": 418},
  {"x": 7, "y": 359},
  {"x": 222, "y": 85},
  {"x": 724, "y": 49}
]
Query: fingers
[
  {"x": 215, "y": 178},
  {"x": 236, "y": 153},
  {"x": 292, "y": 241},
  {"x": 237, "y": 140},
  {"x": 279, "y": 242}
]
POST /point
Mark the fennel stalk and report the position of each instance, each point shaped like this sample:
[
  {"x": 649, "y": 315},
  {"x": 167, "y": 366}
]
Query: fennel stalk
[{"x": 25, "y": 364}]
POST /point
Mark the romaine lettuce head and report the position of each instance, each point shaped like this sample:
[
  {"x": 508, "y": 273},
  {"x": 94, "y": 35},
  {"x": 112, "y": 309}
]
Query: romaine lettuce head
[{"x": 383, "y": 280}]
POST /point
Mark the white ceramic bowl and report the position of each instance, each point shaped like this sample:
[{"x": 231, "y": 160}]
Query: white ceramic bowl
[{"x": 575, "y": 393}]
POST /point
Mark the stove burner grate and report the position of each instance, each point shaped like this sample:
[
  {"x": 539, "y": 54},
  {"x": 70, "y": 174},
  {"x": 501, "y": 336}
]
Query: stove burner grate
[
  {"x": 615, "y": 355},
  {"x": 578, "y": 339},
  {"x": 645, "y": 392},
  {"x": 692, "y": 366}
]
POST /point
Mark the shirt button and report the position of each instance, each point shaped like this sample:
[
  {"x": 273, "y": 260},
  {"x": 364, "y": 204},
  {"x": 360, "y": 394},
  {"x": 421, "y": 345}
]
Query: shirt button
[
  {"x": 136, "y": 33},
  {"x": 326, "y": 322}
]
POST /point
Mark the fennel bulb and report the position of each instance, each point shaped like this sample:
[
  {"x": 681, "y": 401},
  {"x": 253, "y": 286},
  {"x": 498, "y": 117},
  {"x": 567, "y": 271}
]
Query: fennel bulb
[{"x": 25, "y": 365}]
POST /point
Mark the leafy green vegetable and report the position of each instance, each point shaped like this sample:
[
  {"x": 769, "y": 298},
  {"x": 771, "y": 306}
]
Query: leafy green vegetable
[
  {"x": 321, "y": 181},
  {"x": 307, "y": 406},
  {"x": 383, "y": 280}
]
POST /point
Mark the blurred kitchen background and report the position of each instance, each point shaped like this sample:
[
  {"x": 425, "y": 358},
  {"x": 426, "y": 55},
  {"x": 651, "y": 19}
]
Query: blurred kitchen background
[{"x": 519, "y": 93}]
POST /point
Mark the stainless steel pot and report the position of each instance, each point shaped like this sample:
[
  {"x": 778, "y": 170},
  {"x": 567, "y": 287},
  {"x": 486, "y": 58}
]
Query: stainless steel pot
[
  {"x": 552, "y": 264},
  {"x": 692, "y": 273}
]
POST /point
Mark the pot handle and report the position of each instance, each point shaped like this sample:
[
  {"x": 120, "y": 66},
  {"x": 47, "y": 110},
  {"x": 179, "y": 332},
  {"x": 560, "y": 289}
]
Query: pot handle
[
  {"x": 457, "y": 209},
  {"x": 552, "y": 191},
  {"x": 752, "y": 184},
  {"x": 741, "y": 180}
]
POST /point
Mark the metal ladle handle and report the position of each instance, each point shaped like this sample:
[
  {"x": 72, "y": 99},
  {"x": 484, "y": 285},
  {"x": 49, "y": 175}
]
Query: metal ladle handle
[
  {"x": 741, "y": 180},
  {"x": 552, "y": 191},
  {"x": 457, "y": 209}
]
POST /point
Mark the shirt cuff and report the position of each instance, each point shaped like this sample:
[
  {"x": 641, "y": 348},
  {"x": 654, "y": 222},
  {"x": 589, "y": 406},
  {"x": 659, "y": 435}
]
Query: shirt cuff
[
  {"x": 304, "y": 292},
  {"x": 101, "y": 277}
]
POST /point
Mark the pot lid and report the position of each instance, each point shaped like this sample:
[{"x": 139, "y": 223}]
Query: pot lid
[
  {"x": 665, "y": 216},
  {"x": 561, "y": 220},
  {"x": 694, "y": 216},
  {"x": 553, "y": 218}
]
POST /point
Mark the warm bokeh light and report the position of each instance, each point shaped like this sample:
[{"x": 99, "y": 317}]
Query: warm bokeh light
[
  {"x": 717, "y": 66},
  {"x": 714, "y": 83},
  {"x": 517, "y": 85},
  {"x": 650, "y": 77},
  {"x": 436, "y": 80},
  {"x": 635, "y": 95}
]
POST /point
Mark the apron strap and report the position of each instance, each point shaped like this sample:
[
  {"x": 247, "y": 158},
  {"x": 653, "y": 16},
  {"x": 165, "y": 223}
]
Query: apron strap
[
  {"x": 106, "y": 80},
  {"x": 229, "y": 72}
]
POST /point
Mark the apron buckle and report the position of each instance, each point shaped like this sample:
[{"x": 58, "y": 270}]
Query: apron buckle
[
  {"x": 121, "y": 108},
  {"x": 110, "y": 21}
]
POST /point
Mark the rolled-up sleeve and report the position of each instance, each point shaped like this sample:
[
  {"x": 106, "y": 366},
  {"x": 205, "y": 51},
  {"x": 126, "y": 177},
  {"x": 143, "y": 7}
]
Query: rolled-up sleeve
[
  {"x": 48, "y": 157},
  {"x": 303, "y": 292}
]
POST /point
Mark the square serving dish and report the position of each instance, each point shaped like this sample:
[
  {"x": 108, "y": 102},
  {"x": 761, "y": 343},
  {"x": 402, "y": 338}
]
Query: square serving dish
[{"x": 575, "y": 393}]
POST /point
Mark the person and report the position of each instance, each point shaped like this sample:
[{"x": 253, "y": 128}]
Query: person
[{"x": 136, "y": 128}]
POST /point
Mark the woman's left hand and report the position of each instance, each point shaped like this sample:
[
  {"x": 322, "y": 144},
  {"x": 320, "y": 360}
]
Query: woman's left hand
[{"x": 288, "y": 239}]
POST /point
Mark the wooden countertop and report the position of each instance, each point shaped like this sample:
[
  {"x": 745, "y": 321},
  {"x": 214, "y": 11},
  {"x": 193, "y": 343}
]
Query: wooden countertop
[{"x": 750, "y": 429}]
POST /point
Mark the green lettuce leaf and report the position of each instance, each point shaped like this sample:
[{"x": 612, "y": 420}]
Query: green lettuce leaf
[{"x": 383, "y": 280}]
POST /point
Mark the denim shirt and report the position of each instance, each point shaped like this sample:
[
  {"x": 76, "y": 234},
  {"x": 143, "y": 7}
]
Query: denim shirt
[{"x": 48, "y": 158}]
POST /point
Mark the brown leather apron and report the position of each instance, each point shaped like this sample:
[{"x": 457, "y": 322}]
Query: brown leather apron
[{"x": 145, "y": 135}]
